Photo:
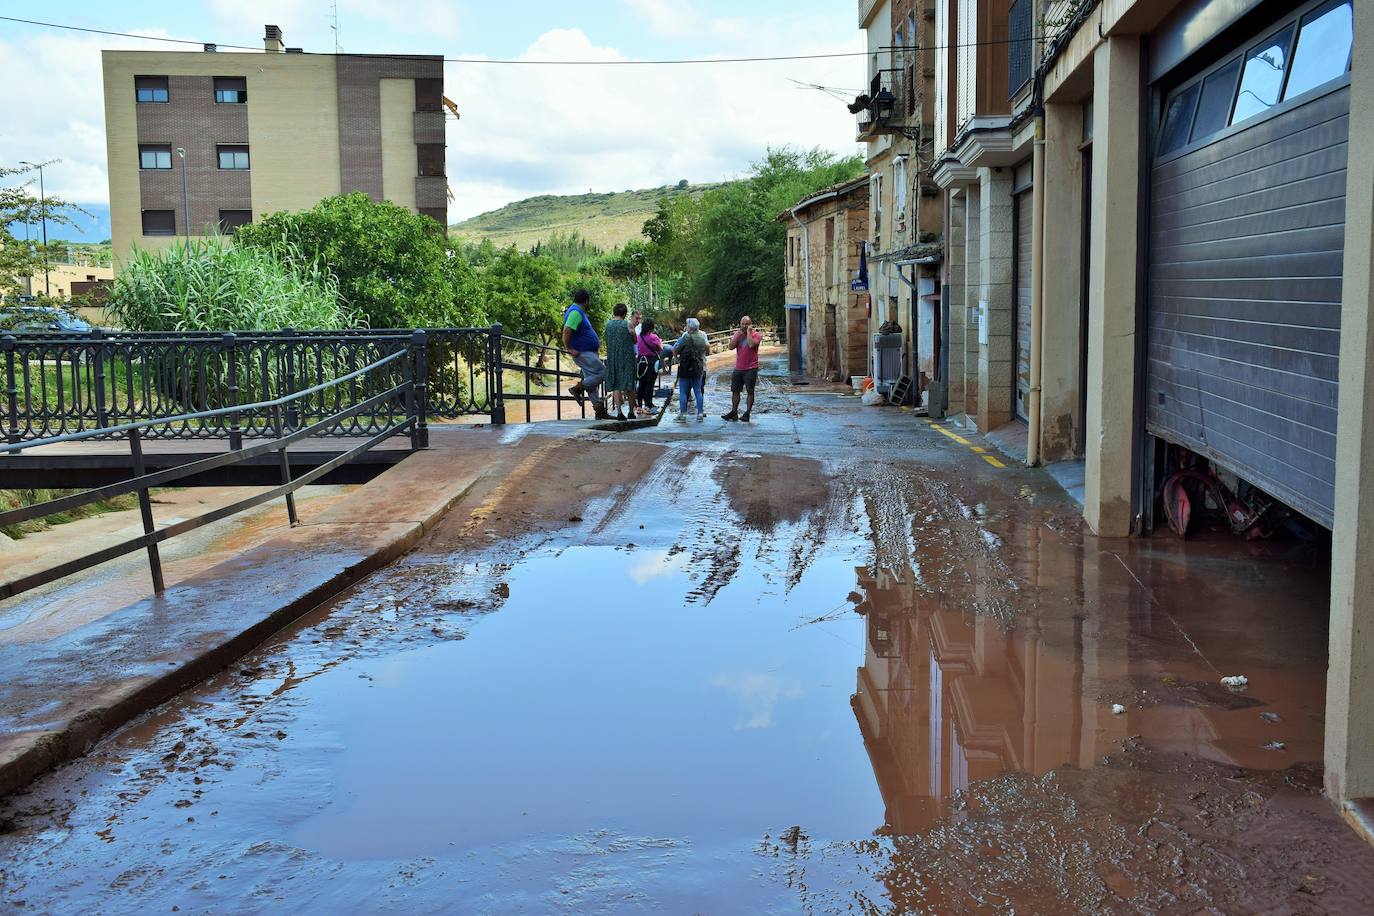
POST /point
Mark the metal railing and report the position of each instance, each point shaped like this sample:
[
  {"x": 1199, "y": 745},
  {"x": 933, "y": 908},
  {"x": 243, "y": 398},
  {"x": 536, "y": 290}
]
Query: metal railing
[
  {"x": 409, "y": 392},
  {"x": 1020, "y": 46},
  {"x": 56, "y": 384},
  {"x": 208, "y": 385}
]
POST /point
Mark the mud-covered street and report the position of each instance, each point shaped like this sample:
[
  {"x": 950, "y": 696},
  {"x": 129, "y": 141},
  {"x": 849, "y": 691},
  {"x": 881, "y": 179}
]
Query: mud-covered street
[{"x": 830, "y": 661}]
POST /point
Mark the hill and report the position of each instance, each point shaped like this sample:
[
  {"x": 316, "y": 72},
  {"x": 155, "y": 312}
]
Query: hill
[{"x": 606, "y": 220}]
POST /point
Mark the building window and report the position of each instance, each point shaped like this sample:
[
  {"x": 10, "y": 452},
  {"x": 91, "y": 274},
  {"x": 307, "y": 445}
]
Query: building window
[
  {"x": 151, "y": 88},
  {"x": 231, "y": 90},
  {"x": 875, "y": 198},
  {"x": 154, "y": 157},
  {"x": 429, "y": 94},
  {"x": 899, "y": 187},
  {"x": 430, "y": 158},
  {"x": 1214, "y": 105},
  {"x": 1323, "y": 51},
  {"x": 159, "y": 222},
  {"x": 1263, "y": 75},
  {"x": 232, "y": 157},
  {"x": 230, "y": 220}
]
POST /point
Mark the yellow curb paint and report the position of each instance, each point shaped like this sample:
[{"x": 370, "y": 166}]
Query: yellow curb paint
[{"x": 993, "y": 461}]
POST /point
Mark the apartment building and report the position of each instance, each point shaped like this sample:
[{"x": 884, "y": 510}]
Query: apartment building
[
  {"x": 904, "y": 214},
  {"x": 1157, "y": 256},
  {"x": 828, "y": 324},
  {"x": 203, "y": 142}
]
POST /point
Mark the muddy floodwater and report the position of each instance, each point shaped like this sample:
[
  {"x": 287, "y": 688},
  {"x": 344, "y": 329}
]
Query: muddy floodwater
[{"x": 840, "y": 666}]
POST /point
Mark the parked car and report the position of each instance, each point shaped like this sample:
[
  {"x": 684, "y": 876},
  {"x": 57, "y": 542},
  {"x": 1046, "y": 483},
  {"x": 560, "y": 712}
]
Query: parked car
[{"x": 41, "y": 318}]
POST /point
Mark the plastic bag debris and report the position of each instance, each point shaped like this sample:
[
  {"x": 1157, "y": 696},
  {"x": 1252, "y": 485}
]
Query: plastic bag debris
[
  {"x": 1235, "y": 680},
  {"x": 1117, "y": 709}
]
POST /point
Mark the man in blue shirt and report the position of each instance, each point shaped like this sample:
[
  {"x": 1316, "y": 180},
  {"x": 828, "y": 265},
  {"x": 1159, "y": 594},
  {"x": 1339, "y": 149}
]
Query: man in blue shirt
[{"x": 579, "y": 339}]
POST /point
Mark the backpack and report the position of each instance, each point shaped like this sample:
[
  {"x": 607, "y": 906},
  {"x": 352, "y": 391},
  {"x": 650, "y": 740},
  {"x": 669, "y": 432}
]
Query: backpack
[{"x": 689, "y": 361}]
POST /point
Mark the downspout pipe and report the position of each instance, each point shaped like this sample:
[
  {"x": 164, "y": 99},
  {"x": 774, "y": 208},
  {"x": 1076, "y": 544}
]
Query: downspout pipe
[{"x": 1037, "y": 289}]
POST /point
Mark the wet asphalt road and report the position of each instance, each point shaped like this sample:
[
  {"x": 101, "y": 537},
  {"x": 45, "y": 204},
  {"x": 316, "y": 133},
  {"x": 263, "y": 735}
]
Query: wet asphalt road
[{"x": 832, "y": 661}]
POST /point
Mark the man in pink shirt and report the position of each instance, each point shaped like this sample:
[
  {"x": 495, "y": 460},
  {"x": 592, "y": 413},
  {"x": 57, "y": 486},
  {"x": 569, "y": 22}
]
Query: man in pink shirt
[{"x": 745, "y": 343}]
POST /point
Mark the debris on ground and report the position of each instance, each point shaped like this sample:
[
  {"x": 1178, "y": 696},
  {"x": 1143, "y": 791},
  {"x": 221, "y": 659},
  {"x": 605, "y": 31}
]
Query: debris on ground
[
  {"x": 1117, "y": 709},
  {"x": 1235, "y": 681}
]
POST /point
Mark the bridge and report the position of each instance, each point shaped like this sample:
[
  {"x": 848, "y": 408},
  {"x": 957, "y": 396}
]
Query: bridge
[{"x": 111, "y": 414}]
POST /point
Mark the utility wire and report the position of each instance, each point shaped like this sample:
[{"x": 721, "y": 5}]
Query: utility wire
[{"x": 535, "y": 63}]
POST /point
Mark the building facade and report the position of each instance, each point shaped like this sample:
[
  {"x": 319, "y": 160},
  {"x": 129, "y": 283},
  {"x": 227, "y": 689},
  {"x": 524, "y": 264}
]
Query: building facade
[
  {"x": 1158, "y": 256},
  {"x": 827, "y": 320},
  {"x": 200, "y": 143},
  {"x": 893, "y": 116}
]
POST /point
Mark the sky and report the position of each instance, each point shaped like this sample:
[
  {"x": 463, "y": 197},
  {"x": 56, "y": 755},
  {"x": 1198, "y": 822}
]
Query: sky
[{"x": 525, "y": 130}]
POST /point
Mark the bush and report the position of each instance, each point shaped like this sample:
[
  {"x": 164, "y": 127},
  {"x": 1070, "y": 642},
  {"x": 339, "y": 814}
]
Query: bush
[
  {"x": 392, "y": 265},
  {"x": 211, "y": 285}
]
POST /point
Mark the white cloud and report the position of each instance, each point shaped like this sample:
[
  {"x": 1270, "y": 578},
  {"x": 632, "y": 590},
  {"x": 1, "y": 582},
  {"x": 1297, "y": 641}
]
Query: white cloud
[
  {"x": 655, "y": 564},
  {"x": 525, "y": 130},
  {"x": 680, "y": 19},
  {"x": 759, "y": 695},
  {"x": 56, "y": 108},
  {"x": 528, "y": 130}
]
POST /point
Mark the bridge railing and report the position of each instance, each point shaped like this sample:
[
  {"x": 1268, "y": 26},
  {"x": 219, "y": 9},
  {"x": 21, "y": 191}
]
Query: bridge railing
[
  {"x": 58, "y": 384},
  {"x": 395, "y": 380}
]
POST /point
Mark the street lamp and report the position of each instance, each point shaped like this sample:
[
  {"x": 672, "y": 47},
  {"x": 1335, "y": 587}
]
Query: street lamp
[
  {"x": 185, "y": 194},
  {"x": 43, "y": 214}
]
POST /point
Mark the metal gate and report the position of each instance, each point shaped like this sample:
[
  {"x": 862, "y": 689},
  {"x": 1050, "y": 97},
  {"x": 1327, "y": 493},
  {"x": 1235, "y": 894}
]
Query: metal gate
[{"x": 1247, "y": 221}]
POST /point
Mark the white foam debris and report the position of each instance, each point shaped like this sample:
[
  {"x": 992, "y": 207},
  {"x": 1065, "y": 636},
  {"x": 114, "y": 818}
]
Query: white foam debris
[
  {"x": 1117, "y": 709},
  {"x": 1235, "y": 680}
]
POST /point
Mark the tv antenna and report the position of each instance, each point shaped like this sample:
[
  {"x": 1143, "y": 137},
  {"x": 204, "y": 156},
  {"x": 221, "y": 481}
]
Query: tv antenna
[{"x": 334, "y": 24}]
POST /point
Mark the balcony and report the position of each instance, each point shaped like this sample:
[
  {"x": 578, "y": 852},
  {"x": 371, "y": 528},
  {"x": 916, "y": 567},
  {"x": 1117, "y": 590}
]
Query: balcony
[
  {"x": 1020, "y": 47},
  {"x": 884, "y": 108}
]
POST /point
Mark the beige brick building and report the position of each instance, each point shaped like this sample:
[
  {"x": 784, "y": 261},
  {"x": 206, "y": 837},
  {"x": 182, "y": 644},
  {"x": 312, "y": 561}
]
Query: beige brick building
[
  {"x": 825, "y": 234},
  {"x": 201, "y": 142}
]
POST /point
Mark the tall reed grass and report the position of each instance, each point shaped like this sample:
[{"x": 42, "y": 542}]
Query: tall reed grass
[{"x": 212, "y": 285}]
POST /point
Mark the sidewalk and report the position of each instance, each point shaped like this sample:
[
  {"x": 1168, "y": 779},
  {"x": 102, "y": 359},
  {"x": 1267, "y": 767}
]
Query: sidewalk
[{"x": 129, "y": 659}]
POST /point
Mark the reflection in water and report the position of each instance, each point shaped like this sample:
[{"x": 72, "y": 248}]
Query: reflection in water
[
  {"x": 758, "y": 694},
  {"x": 945, "y": 699}
]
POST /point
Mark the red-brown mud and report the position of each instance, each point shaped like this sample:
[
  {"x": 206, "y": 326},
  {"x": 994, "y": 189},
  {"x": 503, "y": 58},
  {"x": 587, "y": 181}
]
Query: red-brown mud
[{"x": 826, "y": 664}]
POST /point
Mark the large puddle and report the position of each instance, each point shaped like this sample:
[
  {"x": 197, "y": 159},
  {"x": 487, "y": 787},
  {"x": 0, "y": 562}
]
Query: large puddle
[
  {"x": 737, "y": 712},
  {"x": 593, "y": 700}
]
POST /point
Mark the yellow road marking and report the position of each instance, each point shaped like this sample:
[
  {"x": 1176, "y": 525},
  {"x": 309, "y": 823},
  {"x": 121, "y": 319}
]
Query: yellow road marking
[
  {"x": 978, "y": 449},
  {"x": 993, "y": 461}
]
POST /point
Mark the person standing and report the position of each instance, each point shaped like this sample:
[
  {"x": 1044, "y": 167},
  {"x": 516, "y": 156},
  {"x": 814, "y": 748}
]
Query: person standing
[
  {"x": 581, "y": 341},
  {"x": 648, "y": 346},
  {"x": 620, "y": 361},
  {"x": 745, "y": 342},
  {"x": 691, "y": 349}
]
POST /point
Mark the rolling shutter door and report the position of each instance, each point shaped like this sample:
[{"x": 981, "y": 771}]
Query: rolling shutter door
[
  {"x": 1245, "y": 251},
  {"x": 1022, "y": 331}
]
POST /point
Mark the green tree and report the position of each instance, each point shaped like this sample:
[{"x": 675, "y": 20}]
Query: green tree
[
  {"x": 19, "y": 206},
  {"x": 393, "y": 266},
  {"x": 727, "y": 246},
  {"x": 524, "y": 293}
]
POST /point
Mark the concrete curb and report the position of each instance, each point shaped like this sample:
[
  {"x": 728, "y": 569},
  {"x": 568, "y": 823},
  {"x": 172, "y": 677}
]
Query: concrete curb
[{"x": 28, "y": 754}]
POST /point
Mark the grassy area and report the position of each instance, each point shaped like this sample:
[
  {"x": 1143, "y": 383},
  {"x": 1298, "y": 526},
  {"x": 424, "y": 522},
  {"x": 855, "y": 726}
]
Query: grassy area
[
  {"x": 606, "y": 220},
  {"x": 17, "y": 499}
]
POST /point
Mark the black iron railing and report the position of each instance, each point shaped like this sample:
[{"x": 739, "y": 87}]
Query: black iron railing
[
  {"x": 1020, "y": 46},
  {"x": 58, "y": 384},
  {"x": 394, "y": 380},
  {"x": 204, "y": 385}
]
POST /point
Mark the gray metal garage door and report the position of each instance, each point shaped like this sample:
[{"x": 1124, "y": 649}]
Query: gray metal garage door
[
  {"x": 1246, "y": 235},
  {"x": 1024, "y": 210}
]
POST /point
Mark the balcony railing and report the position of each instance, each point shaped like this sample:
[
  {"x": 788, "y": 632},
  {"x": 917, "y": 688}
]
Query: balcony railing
[
  {"x": 883, "y": 108},
  {"x": 1020, "y": 46}
]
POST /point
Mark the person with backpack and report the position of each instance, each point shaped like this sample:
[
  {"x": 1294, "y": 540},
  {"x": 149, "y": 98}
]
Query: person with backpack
[
  {"x": 579, "y": 339},
  {"x": 691, "y": 349},
  {"x": 648, "y": 346}
]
